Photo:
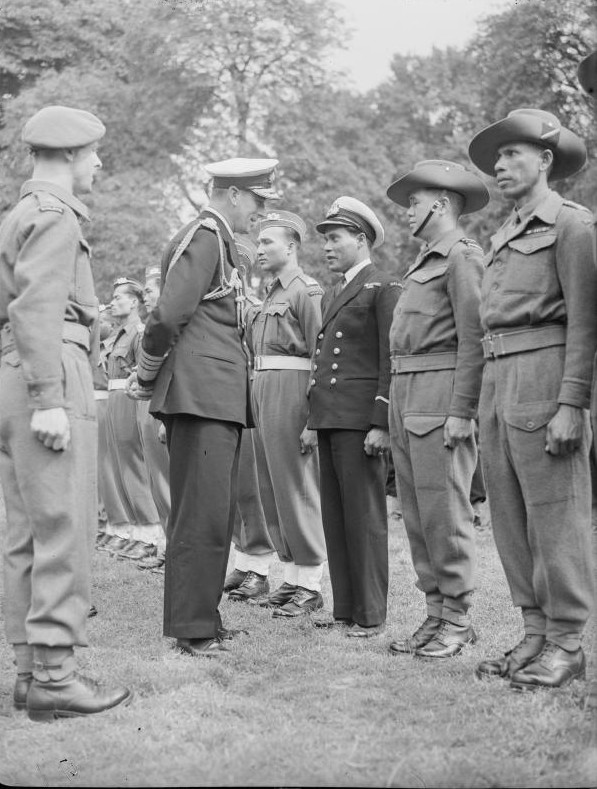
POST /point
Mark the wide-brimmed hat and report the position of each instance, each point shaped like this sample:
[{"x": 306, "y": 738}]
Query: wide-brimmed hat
[
  {"x": 350, "y": 212},
  {"x": 534, "y": 126},
  {"x": 587, "y": 74},
  {"x": 441, "y": 174}
]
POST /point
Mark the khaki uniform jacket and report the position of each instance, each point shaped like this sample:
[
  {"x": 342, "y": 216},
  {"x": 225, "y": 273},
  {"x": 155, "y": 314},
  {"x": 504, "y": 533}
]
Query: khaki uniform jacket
[
  {"x": 45, "y": 280},
  {"x": 195, "y": 344},
  {"x": 542, "y": 270},
  {"x": 438, "y": 312},
  {"x": 289, "y": 320},
  {"x": 350, "y": 385}
]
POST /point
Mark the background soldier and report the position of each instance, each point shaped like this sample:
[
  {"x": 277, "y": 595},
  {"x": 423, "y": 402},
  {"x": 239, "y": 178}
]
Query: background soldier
[
  {"x": 48, "y": 431},
  {"x": 282, "y": 336},
  {"x": 201, "y": 393},
  {"x": 437, "y": 361},
  {"x": 538, "y": 311},
  {"x": 348, "y": 406}
]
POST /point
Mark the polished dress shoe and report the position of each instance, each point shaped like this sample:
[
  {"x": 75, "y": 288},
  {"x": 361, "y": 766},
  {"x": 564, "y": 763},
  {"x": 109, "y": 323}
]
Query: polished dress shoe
[
  {"x": 520, "y": 656},
  {"x": 304, "y": 601},
  {"x": 365, "y": 631},
  {"x": 142, "y": 551},
  {"x": 422, "y": 635},
  {"x": 554, "y": 667},
  {"x": 113, "y": 544},
  {"x": 448, "y": 642},
  {"x": 201, "y": 647},
  {"x": 22, "y": 686},
  {"x": 71, "y": 697},
  {"x": 327, "y": 619},
  {"x": 253, "y": 586},
  {"x": 283, "y": 594},
  {"x": 234, "y": 580}
]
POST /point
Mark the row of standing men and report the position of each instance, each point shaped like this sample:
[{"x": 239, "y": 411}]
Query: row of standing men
[{"x": 382, "y": 366}]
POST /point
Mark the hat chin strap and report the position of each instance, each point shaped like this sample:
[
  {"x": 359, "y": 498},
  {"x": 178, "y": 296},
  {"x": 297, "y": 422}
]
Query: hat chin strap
[{"x": 430, "y": 213}]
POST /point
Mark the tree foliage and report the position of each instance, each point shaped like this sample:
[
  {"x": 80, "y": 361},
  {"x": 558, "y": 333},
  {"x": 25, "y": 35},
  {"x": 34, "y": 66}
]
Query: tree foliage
[{"x": 182, "y": 82}]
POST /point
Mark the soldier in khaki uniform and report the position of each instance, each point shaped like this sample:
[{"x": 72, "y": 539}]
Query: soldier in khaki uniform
[
  {"x": 538, "y": 313},
  {"x": 282, "y": 335},
  {"x": 125, "y": 445},
  {"x": 48, "y": 429},
  {"x": 437, "y": 362}
]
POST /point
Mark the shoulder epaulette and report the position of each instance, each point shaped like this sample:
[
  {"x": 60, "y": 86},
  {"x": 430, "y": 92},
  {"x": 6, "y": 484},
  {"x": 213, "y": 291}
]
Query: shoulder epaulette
[
  {"x": 470, "y": 242},
  {"x": 307, "y": 279},
  {"x": 578, "y": 206},
  {"x": 47, "y": 202},
  {"x": 208, "y": 223}
]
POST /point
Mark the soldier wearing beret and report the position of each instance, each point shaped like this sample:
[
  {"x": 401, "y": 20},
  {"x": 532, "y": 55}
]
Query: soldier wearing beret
[
  {"x": 138, "y": 538},
  {"x": 194, "y": 367},
  {"x": 437, "y": 361},
  {"x": 48, "y": 429},
  {"x": 538, "y": 313},
  {"x": 153, "y": 441},
  {"x": 348, "y": 406},
  {"x": 282, "y": 334}
]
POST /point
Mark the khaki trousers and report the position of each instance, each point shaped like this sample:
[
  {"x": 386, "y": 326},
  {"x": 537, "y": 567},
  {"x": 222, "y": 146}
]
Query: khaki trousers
[
  {"x": 435, "y": 484},
  {"x": 540, "y": 504},
  {"x": 280, "y": 406},
  {"x": 51, "y": 509}
]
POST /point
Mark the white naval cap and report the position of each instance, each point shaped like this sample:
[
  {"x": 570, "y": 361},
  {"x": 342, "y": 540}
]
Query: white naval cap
[
  {"x": 350, "y": 212},
  {"x": 251, "y": 175}
]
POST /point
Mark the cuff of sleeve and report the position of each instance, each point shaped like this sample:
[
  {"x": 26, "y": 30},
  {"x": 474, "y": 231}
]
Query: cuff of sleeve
[
  {"x": 379, "y": 415},
  {"x": 463, "y": 407},
  {"x": 45, "y": 394},
  {"x": 576, "y": 393},
  {"x": 148, "y": 367}
]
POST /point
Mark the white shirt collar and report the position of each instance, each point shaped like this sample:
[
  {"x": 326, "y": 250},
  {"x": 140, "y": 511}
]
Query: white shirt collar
[
  {"x": 221, "y": 218},
  {"x": 352, "y": 272}
]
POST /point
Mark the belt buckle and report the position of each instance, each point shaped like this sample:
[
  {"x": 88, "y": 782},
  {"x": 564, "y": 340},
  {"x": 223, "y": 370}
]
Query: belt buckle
[{"x": 257, "y": 363}]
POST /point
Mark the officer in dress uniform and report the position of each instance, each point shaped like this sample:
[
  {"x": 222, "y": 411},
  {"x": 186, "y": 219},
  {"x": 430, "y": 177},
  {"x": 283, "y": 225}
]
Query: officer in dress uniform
[
  {"x": 125, "y": 445},
  {"x": 253, "y": 548},
  {"x": 437, "y": 362},
  {"x": 538, "y": 312},
  {"x": 282, "y": 335},
  {"x": 194, "y": 367},
  {"x": 348, "y": 406},
  {"x": 48, "y": 430}
]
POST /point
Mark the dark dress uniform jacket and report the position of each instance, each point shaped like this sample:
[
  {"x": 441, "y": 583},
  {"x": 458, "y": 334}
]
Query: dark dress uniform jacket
[
  {"x": 351, "y": 379},
  {"x": 205, "y": 373}
]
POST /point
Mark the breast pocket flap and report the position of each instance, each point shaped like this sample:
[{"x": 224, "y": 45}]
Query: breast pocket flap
[
  {"x": 422, "y": 424},
  {"x": 530, "y": 244},
  {"x": 277, "y": 309},
  {"x": 427, "y": 274}
]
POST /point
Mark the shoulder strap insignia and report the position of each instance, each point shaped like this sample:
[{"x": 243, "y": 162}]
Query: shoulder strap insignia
[
  {"x": 470, "y": 242},
  {"x": 578, "y": 206},
  {"x": 47, "y": 202}
]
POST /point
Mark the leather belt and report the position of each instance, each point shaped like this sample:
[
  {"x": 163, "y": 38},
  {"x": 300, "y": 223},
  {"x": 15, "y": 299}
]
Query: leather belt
[
  {"x": 116, "y": 383},
  {"x": 421, "y": 362},
  {"x": 281, "y": 363},
  {"x": 520, "y": 340},
  {"x": 71, "y": 332}
]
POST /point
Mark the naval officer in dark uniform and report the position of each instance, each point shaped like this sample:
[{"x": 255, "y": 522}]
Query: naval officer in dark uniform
[
  {"x": 348, "y": 407},
  {"x": 194, "y": 363}
]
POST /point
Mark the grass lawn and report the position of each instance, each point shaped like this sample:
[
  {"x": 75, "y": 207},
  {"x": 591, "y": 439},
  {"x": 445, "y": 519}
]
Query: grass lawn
[{"x": 291, "y": 705}]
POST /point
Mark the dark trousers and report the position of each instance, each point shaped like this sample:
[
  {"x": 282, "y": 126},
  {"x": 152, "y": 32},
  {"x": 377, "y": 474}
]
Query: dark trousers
[
  {"x": 203, "y": 478},
  {"x": 355, "y": 524}
]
